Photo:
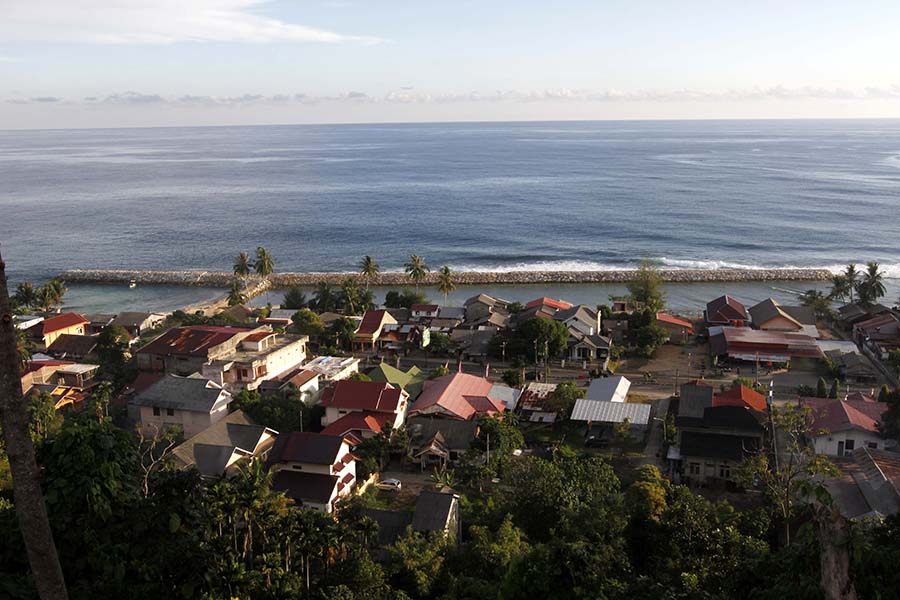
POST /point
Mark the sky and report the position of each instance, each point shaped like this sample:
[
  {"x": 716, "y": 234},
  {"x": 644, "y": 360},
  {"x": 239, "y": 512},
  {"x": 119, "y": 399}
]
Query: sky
[{"x": 123, "y": 63}]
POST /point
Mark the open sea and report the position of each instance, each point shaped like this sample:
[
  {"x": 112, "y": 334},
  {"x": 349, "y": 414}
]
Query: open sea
[{"x": 485, "y": 196}]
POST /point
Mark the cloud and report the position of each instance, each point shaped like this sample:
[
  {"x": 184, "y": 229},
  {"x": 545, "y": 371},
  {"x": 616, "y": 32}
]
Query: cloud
[
  {"x": 407, "y": 95},
  {"x": 10, "y": 59},
  {"x": 154, "y": 22}
]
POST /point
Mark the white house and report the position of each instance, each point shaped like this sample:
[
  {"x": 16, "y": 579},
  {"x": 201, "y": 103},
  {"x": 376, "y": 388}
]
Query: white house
[
  {"x": 313, "y": 469},
  {"x": 260, "y": 356},
  {"x": 189, "y": 403},
  {"x": 842, "y": 425}
]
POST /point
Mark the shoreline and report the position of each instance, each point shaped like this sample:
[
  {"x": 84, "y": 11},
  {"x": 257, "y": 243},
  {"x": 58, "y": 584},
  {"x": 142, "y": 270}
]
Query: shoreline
[{"x": 394, "y": 279}]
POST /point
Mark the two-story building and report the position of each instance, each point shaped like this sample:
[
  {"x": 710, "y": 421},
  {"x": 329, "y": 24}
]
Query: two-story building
[
  {"x": 838, "y": 426},
  {"x": 45, "y": 332},
  {"x": 190, "y": 404},
  {"x": 219, "y": 449},
  {"x": 260, "y": 356},
  {"x": 313, "y": 469},
  {"x": 184, "y": 350},
  {"x": 362, "y": 408}
]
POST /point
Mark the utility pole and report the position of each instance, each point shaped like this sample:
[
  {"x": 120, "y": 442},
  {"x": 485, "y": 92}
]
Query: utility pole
[
  {"x": 546, "y": 360},
  {"x": 503, "y": 351},
  {"x": 31, "y": 511}
]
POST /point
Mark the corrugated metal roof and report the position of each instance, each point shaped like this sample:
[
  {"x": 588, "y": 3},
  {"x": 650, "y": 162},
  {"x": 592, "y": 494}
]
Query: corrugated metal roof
[
  {"x": 610, "y": 412},
  {"x": 609, "y": 389}
]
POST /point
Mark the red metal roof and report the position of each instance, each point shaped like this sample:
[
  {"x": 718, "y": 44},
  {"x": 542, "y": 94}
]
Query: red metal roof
[
  {"x": 726, "y": 309},
  {"x": 61, "y": 322},
  {"x": 424, "y": 308},
  {"x": 741, "y": 396},
  {"x": 358, "y": 421},
  {"x": 371, "y": 322},
  {"x": 460, "y": 394},
  {"x": 192, "y": 341},
  {"x": 375, "y": 396},
  {"x": 545, "y": 301},
  {"x": 258, "y": 336},
  {"x": 835, "y": 415},
  {"x": 665, "y": 318}
]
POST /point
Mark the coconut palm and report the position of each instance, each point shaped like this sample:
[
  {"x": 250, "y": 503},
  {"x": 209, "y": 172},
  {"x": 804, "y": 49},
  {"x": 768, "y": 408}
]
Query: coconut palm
[
  {"x": 851, "y": 274},
  {"x": 840, "y": 288},
  {"x": 350, "y": 295},
  {"x": 53, "y": 293},
  {"x": 871, "y": 287},
  {"x": 445, "y": 282},
  {"x": 325, "y": 298},
  {"x": 45, "y": 298},
  {"x": 26, "y": 295},
  {"x": 242, "y": 265},
  {"x": 264, "y": 265},
  {"x": 368, "y": 268},
  {"x": 416, "y": 269},
  {"x": 236, "y": 293}
]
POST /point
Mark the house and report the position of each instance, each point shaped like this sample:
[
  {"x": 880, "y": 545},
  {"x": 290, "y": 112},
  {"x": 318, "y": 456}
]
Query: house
[
  {"x": 581, "y": 318},
  {"x": 855, "y": 312},
  {"x": 189, "y": 403},
  {"x": 839, "y": 426},
  {"x": 434, "y": 511},
  {"x": 300, "y": 379},
  {"x": 609, "y": 389},
  {"x": 473, "y": 343},
  {"x": 741, "y": 395},
  {"x": 238, "y": 313},
  {"x": 616, "y": 327},
  {"x": 764, "y": 347},
  {"x": 482, "y": 306},
  {"x": 869, "y": 485},
  {"x": 424, "y": 311},
  {"x": 57, "y": 373},
  {"x": 74, "y": 347},
  {"x": 98, "y": 322},
  {"x": 534, "y": 403},
  {"x": 363, "y": 406},
  {"x": 333, "y": 368},
  {"x": 463, "y": 396},
  {"x": 769, "y": 315},
  {"x": 601, "y": 416},
  {"x": 725, "y": 310},
  {"x": 138, "y": 323},
  {"x": 399, "y": 337},
  {"x": 852, "y": 366},
  {"x": 370, "y": 329},
  {"x": 184, "y": 350},
  {"x": 220, "y": 448},
  {"x": 710, "y": 448},
  {"x": 694, "y": 397},
  {"x": 45, "y": 332},
  {"x": 550, "y": 303},
  {"x": 26, "y": 322},
  {"x": 592, "y": 349},
  {"x": 279, "y": 317},
  {"x": 453, "y": 313},
  {"x": 410, "y": 381},
  {"x": 678, "y": 329},
  {"x": 259, "y": 356},
  {"x": 878, "y": 335},
  {"x": 313, "y": 469},
  {"x": 435, "y": 442}
]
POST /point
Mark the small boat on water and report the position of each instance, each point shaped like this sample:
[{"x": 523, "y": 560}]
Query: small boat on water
[{"x": 132, "y": 284}]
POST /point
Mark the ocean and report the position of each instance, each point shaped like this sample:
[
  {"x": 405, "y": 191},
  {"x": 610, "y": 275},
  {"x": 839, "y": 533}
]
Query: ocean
[{"x": 485, "y": 196}]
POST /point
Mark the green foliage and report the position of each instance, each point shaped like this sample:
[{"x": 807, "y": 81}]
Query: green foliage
[
  {"x": 500, "y": 434},
  {"x": 45, "y": 420},
  {"x": 818, "y": 302},
  {"x": 112, "y": 344},
  {"x": 645, "y": 291},
  {"x": 871, "y": 287},
  {"x": 294, "y": 299},
  {"x": 236, "y": 294},
  {"x": 644, "y": 333},
  {"x": 515, "y": 308},
  {"x": 359, "y": 377},
  {"x": 416, "y": 268},
  {"x": 306, "y": 322},
  {"x": 416, "y": 561},
  {"x": 404, "y": 299},
  {"x": 439, "y": 343},
  {"x": 512, "y": 377},
  {"x": 747, "y": 382},
  {"x": 283, "y": 412},
  {"x": 342, "y": 331},
  {"x": 835, "y": 390},
  {"x": 548, "y": 334},
  {"x": 562, "y": 399},
  {"x": 439, "y": 371},
  {"x": 821, "y": 388}
]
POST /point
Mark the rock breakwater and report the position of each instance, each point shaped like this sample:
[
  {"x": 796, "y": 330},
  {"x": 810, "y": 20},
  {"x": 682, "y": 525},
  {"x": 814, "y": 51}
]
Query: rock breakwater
[{"x": 282, "y": 280}]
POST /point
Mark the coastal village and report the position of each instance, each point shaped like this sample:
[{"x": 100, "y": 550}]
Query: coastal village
[{"x": 404, "y": 411}]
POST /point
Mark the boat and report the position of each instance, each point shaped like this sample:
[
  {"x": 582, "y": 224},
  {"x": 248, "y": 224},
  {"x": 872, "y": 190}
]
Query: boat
[{"x": 132, "y": 284}]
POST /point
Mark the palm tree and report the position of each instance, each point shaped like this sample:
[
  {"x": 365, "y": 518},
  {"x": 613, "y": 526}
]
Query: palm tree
[
  {"x": 236, "y": 293},
  {"x": 350, "y": 296},
  {"x": 26, "y": 295},
  {"x": 445, "y": 282},
  {"x": 45, "y": 298},
  {"x": 369, "y": 268},
  {"x": 56, "y": 291},
  {"x": 871, "y": 288},
  {"x": 242, "y": 265},
  {"x": 28, "y": 499},
  {"x": 264, "y": 265},
  {"x": 840, "y": 288},
  {"x": 850, "y": 274},
  {"x": 416, "y": 269},
  {"x": 324, "y": 298},
  {"x": 817, "y": 301}
]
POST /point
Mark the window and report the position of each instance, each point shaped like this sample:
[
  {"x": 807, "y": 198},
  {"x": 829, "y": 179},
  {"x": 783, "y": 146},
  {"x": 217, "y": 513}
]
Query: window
[
  {"x": 848, "y": 446},
  {"x": 694, "y": 468},
  {"x": 297, "y": 467},
  {"x": 724, "y": 472},
  {"x": 170, "y": 412},
  {"x": 873, "y": 445},
  {"x": 710, "y": 470},
  {"x": 155, "y": 411}
]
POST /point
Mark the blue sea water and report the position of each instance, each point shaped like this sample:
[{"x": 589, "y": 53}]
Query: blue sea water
[{"x": 492, "y": 196}]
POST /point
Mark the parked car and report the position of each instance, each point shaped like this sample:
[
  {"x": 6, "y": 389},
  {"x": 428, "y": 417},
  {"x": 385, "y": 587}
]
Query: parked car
[{"x": 389, "y": 484}]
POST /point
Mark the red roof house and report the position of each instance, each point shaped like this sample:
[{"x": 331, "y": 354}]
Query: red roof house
[
  {"x": 725, "y": 310},
  {"x": 49, "y": 329},
  {"x": 457, "y": 396},
  {"x": 548, "y": 302},
  {"x": 386, "y": 402},
  {"x": 741, "y": 396}
]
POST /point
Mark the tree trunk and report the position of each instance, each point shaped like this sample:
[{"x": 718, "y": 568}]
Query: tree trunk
[
  {"x": 29, "y": 500},
  {"x": 834, "y": 554}
]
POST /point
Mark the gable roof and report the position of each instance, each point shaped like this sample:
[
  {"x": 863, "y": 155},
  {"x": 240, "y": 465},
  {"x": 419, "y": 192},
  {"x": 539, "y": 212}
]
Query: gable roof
[
  {"x": 460, "y": 394},
  {"x": 694, "y": 397},
  {"x": 211, "y": 449},
  {"x": 373, "y": 321},
  {"x": 433, "y": 511},
  {"x": 131, "y": 319},
  {"x": 582, "y": 312},
  {"x": 717, "y": 445},
  {"x": 741, "y": 396},
  {"x": 308, "y": 487},
  {"x": 672, "y": 320},
  {"x": 833, "y": 415},
  {"x": 599, "y": 411},
  {"x": 457, "y": 435},
  {"x": 869, "y": 485},
  {"x": 424, "y": 308},
  {"x": 410, "y": 381},
  {"x": 73, "y": 345},
  {"x": 194, "y": 340},
  {"x": 725, "y": 309},
  {"x": 306, "y": 447},
  {"x": 609, "y": 389},
  {"x": 193, "y": 394},
  {"x": 358, "y": 421},
  {"x": 61, "y": 322},
  {"x": 375, "y": 396},
  {"x": 550, "y": 302}
]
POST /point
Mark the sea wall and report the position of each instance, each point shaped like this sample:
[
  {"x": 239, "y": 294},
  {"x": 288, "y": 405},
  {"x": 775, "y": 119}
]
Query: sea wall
[{"x": 223, "y": 279}]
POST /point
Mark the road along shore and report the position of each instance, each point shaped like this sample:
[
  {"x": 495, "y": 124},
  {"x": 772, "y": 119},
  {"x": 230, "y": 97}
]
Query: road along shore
[{"x": 396, "y": 279}]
